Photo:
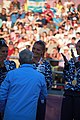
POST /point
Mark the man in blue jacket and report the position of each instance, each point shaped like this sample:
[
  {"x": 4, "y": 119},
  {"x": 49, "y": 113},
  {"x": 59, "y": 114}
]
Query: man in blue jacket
[{"x": 20, "y": 90}]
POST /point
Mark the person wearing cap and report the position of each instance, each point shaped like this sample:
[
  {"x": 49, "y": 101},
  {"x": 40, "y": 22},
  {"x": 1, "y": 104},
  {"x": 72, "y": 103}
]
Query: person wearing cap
[
  {"x": 20, "y": 90},
  {"x": 71, "y": 98},
  {"x": 48, "y": 12},
  {"x": 5, "y": 65},
  {"x": 74, "y": 21}
]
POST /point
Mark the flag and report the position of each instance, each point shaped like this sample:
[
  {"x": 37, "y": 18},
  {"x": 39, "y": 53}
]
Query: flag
[{"x": 36, "y": 5}]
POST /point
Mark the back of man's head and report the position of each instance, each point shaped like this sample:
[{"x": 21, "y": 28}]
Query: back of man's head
[{"x": 25, "y": 56}]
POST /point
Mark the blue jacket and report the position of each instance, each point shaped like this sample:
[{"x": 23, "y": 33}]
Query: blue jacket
[{"x": 20, "y": 91}]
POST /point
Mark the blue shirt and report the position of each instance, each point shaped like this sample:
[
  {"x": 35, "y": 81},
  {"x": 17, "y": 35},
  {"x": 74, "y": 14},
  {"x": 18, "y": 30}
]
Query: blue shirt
[
  {"x": 56, "y": 22},
  {"x": 14, "y": 17},
  {"x": 20, "y": 90}
]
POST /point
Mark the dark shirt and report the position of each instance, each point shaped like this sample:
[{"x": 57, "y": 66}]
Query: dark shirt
[
  {"x": 8, "y": 65},
  {"x": 43, "y": 22},
  {"x": 45, "y": 69},
  {"x": 3, "y": 17},
  {"x": 72, "y": 75}
]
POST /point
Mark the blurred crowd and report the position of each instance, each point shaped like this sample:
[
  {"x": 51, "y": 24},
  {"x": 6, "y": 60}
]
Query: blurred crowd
[{"x": 57, "y": 26}]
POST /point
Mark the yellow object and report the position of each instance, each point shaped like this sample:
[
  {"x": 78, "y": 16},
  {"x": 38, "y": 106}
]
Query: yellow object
[
  {"x": 74, "y": 82},
  {"x": 26, "y": 7}
]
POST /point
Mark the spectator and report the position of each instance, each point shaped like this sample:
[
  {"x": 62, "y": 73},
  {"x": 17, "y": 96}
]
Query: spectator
[
  {"x": 21, "y": 13},
  {"x": 68, "y": 24},
  {"x": 4, "y": 26},
  {"x": 73, "y": 8},
  {"x": 68, "y": 3},
  {"x": 51, "y": 25},
  {"x": 72, "y": 44},
  {"x": 10, "y": 48},
  {"x": 23, "y": 31},
  {"x": 59, "y": 6},
  {"x": 78, "y": 8},
  {"x": 41, "y": 20},
  {"x": 70, "y": 33},
  {"x": 6, "y": 4},
  {"x": 3, "y": 15},
  {"x": 20, "y": 90},
  {"x": 51, "y": 44},
  {"x": 8, "y": 22},
  {"x": 48, "y": 12},
  {"x": 63, "y": 13},
  {"x": 22, "y": 44},
  {"x": 13, "y": 12},
  {"x": 16, "y": 4},
  {"x": 20, "y": 27},
  {"x": 77, "y": 36},
  {"x": 44, "y": 67},
  {"x": 45, "y": 37},
  {"x": 57, "y": 20},
  {"x": 15, "y": 56},
  {"x": 44, "y": 29},
  {"x": 11, "y": 8},
  {"x": 59, "y": 34},
  {"x": 66, "y": 51},
  {"x": 50, "y": 34},
  {"x": 65, "y": 38},
  {"x": 55, "y": 54},
  {"x": 36, "y": 34}
]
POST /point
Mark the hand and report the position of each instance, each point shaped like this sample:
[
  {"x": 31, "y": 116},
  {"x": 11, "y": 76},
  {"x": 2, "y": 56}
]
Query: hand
[
  {"x": 65, "y": 59},
  {"x": 72, "y": 54},
  {"x": 77, "y": 63}
]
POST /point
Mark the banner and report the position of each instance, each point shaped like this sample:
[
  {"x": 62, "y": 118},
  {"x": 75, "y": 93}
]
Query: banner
[{"x": 35, "y": 5}]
